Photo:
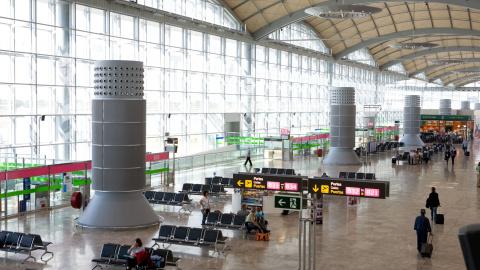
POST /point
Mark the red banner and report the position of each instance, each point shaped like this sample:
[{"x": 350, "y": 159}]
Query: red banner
[
  {"x": 30, "y": 172},
  {"x": 63, "y": 168},
  {"x": 157, "y": 156}
]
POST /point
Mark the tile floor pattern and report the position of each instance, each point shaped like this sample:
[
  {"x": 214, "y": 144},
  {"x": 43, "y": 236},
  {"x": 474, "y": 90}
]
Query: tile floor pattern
[{"x": 377, "y": 234}]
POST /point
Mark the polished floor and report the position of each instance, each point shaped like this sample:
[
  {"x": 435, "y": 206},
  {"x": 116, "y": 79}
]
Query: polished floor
[{"x": 376, "y": 234}]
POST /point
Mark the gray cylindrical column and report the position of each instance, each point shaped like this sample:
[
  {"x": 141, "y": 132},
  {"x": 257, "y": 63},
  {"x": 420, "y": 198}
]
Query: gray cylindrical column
[
  {"x": 118, "y": 149},
  {"x": 465, "y": 105},
  {"x": 411, "y": 121},
  {"x": 342, "y": 127},
  {"x": 445, "y": 107},
  {"x": 476, "y": 106}
]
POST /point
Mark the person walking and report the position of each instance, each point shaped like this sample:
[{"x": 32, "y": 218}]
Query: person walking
[
  {"x": 433, "y": 203},
  {"x": 453, "y": 154},
  {"x": 248, "y": 157},
  {"x": 422, "y": 226},
  {"x": 464, "y": 146},
  {"x": 205, "y": 206},
  {"x": 447, "y": 156}
]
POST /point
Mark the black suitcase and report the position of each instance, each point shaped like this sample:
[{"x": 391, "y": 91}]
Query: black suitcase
[
  {"x": 440, "y": 219},
  {"x": 467, "y": 153},
  {"x": 394, "y": 160}
]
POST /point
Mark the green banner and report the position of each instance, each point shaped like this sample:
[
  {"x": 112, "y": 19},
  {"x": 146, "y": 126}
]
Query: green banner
[
  {"x": 446, "y": 117},
  {"x": 157, "y": 171}
]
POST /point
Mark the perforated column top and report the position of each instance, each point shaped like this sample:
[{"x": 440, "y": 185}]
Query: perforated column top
[
  {"x": 118, "y": 79},
  {"x": 465, "y": 105},
  {"x": 445, "y": 103},
  {"x": 342, "y": 96},
  {"x": 412, "y": 101}
]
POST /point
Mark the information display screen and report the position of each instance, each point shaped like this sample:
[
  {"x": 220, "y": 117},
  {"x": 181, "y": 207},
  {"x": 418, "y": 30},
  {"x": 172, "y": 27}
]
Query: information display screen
[
  {"x": 268, "y": 182},
  {"x": 347, "y": 187}
]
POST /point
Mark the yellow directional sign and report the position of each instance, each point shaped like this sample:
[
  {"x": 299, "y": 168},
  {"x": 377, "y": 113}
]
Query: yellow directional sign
[
  {"x": 248, "y": 183},
  {"x": 325, "y": 188},
  {"x": 315, "y": 189},
  {"x": 240, "y": 183}
]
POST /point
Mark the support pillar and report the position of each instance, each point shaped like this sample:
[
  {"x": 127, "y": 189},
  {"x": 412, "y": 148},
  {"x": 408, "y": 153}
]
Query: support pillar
[
  {"x": 445, "y": 107},
  {"x": 411, "y": 122},
  {"x": 118, "y": 149},
  {"x": 342, "y": 127}
]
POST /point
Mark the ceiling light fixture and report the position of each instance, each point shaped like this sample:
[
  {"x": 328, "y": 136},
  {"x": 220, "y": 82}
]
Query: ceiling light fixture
[
  {"x": 446, "y": 62},
  {"x": 413, "y": 46},
  {"x": 343, "y": 11}
]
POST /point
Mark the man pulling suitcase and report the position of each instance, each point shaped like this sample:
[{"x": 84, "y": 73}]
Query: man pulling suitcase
[{"x": 422, "y": 226}]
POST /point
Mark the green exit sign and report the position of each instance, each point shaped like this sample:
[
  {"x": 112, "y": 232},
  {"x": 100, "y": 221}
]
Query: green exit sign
[{"x": 288, "y": 202}]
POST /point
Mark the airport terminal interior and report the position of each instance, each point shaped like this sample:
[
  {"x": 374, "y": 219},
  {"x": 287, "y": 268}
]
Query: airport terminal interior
[{"x": 106, "y": 102}]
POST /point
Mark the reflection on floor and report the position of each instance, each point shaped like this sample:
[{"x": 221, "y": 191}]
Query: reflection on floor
[{"x": 376, "y": 234}]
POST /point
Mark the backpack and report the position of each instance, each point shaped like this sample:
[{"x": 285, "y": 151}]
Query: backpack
[
  {"x": 453, "y": 154},
  {"x": 158, "y": 261}
]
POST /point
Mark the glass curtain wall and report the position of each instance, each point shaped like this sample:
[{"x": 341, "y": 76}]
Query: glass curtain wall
[{"x": 192, "y": 78}]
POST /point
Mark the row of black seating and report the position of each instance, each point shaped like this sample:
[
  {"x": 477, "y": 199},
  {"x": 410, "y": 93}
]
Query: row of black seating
[
  {"x": 195, "y": 237},
  {"x": 218, "y": 180},
  {"x": 280, "y": 171},
  {"x": 227, "y": 221},
  {"x": 170, "y": 198},
  {"x": 352, "y": 175},
  {"x": 197, "y": 189},
  {"x": 114, "y": 254},
  {"x": 17, "y": 242}
]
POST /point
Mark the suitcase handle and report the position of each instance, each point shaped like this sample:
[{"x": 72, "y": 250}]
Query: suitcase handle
[{"x": 429, "y": 236}]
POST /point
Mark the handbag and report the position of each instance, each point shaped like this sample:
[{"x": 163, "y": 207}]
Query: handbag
[
  {"x": 427, "y": 203},
  {"x": 158, "y": 261},
  {"x": 205, "y": 211}
]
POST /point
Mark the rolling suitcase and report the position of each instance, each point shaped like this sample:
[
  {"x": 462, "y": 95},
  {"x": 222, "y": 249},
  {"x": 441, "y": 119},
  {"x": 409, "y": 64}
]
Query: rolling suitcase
[
  {"x": 440, "y": 218},
  {"x": 478, "y": 179},
  {"x": 467, "y": 153},
  {"x": 394, "y": 160},
  {"x": 427, "y": 248}
]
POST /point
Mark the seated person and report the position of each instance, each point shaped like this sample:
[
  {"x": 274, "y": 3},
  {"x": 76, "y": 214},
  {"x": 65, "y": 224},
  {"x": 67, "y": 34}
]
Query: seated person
[
  {"x": 324, "y": 175},
  {"x": 132, "y": 251},
  {"x": 260, "y": 218},
  {"x": 250, "y": 223},
  {"x": 243, "y": 212}
]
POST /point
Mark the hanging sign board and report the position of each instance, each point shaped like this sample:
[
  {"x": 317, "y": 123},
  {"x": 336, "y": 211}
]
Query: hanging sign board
[
  {"x": 267, "y": 182},
  {"x": 346, "y": 187}
]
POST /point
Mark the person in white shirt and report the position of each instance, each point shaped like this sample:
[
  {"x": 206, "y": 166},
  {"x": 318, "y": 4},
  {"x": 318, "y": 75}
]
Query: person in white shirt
[
  {"x": 136, "y": 247},
  {"x": 248, "y": 158},
  {"x": 205, "y": 206}
]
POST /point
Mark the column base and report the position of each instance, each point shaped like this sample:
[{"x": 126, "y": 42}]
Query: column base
[
  {"x": 341, "y": 156},
  {"x": 118, "y": 211},
  {"x": 412, "y": 140}
]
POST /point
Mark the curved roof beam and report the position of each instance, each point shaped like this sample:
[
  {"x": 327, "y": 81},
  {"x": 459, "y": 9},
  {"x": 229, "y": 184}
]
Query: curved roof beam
[
  {"x": 463, "y": 78},
  {"x": 404, "y": 34},
  {"x": 425, "y": 69},
  {"x": 427, "y": 52},
  {"x": 474, "y": 79},
  {"x": 230, "y": 11},
  {"x": 301, "y": 15},
  {"x": 448, "y": 72},
  {"x": 415, "y": 73}
]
